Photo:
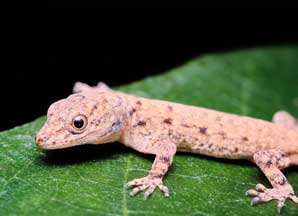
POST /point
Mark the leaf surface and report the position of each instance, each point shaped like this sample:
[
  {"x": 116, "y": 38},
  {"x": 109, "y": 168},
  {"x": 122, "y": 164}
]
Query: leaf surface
[{"x": 90, "y": 180}]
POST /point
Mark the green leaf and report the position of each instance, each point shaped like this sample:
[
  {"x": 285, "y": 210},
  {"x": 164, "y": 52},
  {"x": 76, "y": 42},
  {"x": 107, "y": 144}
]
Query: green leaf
[{"x": 90, "y": 180}]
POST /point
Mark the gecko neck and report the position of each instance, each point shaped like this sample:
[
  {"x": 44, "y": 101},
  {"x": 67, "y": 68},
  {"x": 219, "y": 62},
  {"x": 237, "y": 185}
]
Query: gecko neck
[
  {"x": 125, "y": 119},
  {"x": 131, "y": 107}
]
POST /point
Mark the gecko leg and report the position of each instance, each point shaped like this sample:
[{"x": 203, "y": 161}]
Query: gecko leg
[
  {"x": 270, "y": 162},
  {"x": 285, "y": 119},
  {"x": 162, "y": 162},
  {"x": 80, "y": 87}
]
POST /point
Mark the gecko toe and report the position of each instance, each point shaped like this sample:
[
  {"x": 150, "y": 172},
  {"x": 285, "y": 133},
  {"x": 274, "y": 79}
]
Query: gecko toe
[
  {"x": 138, "y": 189},
  {"x": 149, "y": 191},
  {"x": 294, "y": 198},
  {"x": 134, "y": 182},
  {"x": 164, "y": 189},
  {"x": 280, "y": 194},
  {"x": 280, "y": 205},
  {"x": 148, "y": 183},
  {"x": 279, "y": 209},
  {"x": 255, "y": 201},
  {"x": 260, "y": 187},
  {"x": 252, "y": 193}
]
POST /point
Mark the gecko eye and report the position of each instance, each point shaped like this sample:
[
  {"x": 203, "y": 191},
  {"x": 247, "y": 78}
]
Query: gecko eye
[{"x": 79, "y": 122}]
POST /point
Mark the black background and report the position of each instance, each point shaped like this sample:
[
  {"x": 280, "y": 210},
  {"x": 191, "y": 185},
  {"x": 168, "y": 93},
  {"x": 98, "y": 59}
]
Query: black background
[{"x": 121, "y": 45}]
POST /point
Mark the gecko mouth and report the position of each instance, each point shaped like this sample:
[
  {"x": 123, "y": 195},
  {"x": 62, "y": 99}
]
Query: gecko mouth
[
  {"x": 48, "y": 143},
  {"x": 51, "y": 145},
  {"x": 60, "y": 145}
]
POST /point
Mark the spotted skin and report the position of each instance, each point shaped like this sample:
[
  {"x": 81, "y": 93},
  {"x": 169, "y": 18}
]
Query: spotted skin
[{"x": 162, "y": 128}]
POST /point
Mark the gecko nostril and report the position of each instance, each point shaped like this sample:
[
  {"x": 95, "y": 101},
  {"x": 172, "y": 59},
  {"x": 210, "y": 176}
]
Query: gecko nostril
[{"x": 40, "y": 139}]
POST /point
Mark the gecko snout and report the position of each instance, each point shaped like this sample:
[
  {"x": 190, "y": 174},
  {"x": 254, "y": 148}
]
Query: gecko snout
[{"x": 41, "y": 139}]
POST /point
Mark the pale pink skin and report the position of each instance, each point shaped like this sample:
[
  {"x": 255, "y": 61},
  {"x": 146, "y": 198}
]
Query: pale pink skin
[{"x": 162, "y": 128}]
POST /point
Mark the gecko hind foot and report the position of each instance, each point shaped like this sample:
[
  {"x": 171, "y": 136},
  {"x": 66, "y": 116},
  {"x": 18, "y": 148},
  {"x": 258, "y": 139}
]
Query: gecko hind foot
[
  {"x": 148, "y": 183},
  {"x": 263, "y": 194},
  {"x": 285, "y": 119}
]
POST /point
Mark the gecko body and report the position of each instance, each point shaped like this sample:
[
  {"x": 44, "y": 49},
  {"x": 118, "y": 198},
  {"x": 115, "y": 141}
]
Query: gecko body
[{"x": 98, "y": 115}]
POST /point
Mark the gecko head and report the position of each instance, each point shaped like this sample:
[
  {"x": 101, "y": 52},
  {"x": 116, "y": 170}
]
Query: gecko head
[{"x": 87, "y": 117}]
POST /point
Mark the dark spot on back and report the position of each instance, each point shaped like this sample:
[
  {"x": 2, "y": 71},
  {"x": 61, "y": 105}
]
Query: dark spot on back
[
  {"x": 116, "y": 123},
  {"x": 104, "y": 101},
  {"x": 170, "y": 108},
  {"x": 218, "y": 118},
  {"x": 185, "y": 125},
  {"x": 223, "y": 134},
  {"x": 167, "y": 121},
  {"x": 139, "y": 103},
  {"x": 203, "y": 130},
  {"x": 244, "y": 138},
  {"x": 284, "y": 154},
  {"x": 132, "y": 111},
  {"x": 141, "y": 123}
]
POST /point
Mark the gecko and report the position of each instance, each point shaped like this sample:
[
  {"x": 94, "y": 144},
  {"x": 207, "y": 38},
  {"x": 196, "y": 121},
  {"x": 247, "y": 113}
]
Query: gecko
[{"x": 98, "y": 115}]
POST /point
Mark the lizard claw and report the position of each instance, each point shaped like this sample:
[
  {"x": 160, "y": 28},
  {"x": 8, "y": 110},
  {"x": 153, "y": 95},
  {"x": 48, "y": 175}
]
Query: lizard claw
[
  {"x": 252, "y": 193},
  {"x": 294, "y": 198},
  {"x": 262, "y": 194},
  {"x": 260, "y": 188},
  {"x": 255, "y": 193},
  {"x": 280, "y": 205},
  {"x": 164, "y": 189},
  {"x": 148, "y": 183}
]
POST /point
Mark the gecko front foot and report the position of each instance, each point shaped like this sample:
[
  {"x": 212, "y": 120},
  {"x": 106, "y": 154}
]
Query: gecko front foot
[
  {"x": 148, "y": 183},
  {"x": 262, "y": 194}
]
